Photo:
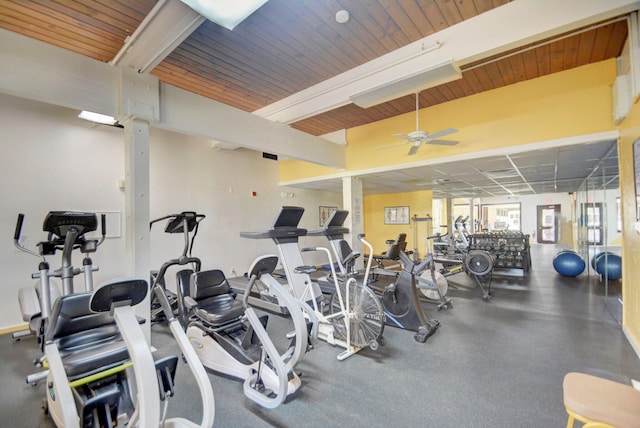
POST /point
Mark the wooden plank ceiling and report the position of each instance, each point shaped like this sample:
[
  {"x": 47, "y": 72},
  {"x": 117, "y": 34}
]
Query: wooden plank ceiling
[{"x": 290, "y": 45}]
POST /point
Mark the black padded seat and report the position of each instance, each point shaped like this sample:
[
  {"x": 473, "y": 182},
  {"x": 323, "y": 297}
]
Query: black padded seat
[
  {"x": 88, "y": 342},
  {"x": 216, "y": 303},
  {"x": 347, "y": 255}
]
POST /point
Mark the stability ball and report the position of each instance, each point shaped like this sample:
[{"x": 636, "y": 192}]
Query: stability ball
[
  {"x": 568, "y": 263},
  {"x": 609, "y": 264},
  {"x": 594, "y": 258}
]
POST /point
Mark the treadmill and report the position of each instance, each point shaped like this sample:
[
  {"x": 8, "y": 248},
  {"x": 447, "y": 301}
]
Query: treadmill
[{"x": 285, "y": 233}]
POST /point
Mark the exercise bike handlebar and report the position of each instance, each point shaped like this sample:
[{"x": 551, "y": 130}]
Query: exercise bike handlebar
[
  {"x": 326, "y": 250},
  {"x": 370, "y": 259}
]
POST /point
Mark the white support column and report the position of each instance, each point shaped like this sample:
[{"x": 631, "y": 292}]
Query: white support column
[
  {"x": 352, "y": 201},
  {"x": 138, "y": 248},
  {"x": 472, "y": 218},
  {"x": 450, "y": 217}
]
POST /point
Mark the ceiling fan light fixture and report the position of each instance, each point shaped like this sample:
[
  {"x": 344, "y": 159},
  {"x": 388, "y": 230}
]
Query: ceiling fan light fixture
[{"x": 226, "y": 13}]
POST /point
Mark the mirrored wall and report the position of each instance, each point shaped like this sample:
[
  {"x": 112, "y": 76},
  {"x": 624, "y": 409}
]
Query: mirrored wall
[{"x": 598, "y": 233}]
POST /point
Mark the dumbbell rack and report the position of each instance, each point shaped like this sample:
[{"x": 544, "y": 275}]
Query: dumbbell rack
[{"x": 511, "y": 249}]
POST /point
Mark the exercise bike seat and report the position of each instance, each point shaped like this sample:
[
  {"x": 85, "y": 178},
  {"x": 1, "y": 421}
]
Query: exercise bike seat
[
  {"x": 215, "y": 301},
  {"x": 88, "y": 342}
]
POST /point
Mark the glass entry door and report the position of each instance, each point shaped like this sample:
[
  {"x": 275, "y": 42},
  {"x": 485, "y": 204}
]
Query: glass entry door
[
  {"x": 592, "y": 216},
  {"x": 548, "y": 216}
]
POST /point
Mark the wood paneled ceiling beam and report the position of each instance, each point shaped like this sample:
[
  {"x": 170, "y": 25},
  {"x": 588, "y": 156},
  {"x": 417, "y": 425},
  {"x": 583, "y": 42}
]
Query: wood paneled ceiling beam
[{"x": 472, "y": 40}]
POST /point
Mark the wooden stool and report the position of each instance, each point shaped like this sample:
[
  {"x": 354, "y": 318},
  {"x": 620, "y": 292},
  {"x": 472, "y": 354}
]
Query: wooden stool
[{"x": 599, "y": 402}]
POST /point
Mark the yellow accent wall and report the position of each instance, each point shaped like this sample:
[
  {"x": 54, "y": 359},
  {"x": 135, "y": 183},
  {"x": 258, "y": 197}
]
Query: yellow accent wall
[
  {"x": 574, "y": 102},
  {"x": 571, "y": 103},
  {"x": 630, "y": 132},
  {"x": 377, "y": 232}
]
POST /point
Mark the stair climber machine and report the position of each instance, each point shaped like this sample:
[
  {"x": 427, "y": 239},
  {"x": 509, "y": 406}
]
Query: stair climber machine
[
  {"x": 230, "y": 338},
  {"x": 399, "y": 300},
  {"x": 101, "y": 369},
  {"x": 186, "y": 223},
  {"x": 354, "y": 318}
]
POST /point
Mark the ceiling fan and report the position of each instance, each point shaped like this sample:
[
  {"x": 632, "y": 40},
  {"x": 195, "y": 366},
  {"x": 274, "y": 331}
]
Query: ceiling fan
[{"x": 417, "y": 137}]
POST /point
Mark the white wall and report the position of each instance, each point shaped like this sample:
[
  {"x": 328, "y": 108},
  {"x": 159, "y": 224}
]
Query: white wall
[{"x": 51, "y": 160}]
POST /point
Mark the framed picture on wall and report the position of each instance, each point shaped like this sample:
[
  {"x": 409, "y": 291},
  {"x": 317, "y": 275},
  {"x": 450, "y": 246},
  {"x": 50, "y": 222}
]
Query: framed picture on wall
[
  {"x": 396, "y": 215},
  {"x": 325, "y": 212}
]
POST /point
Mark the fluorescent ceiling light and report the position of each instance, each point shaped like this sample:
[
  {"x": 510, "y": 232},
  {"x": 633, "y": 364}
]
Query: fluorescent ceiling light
[
  {"x": 226, "y": 13},
  {"x": 98, "y": 118},
  {"x": 417, "y": 80}
]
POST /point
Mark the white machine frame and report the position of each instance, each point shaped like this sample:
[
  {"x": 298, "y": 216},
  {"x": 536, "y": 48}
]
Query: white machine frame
[{"x": 147, "y": 399}]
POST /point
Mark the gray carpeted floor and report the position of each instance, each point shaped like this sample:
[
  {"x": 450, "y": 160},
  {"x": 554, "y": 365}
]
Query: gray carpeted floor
[{"x": 491, "y": 364}]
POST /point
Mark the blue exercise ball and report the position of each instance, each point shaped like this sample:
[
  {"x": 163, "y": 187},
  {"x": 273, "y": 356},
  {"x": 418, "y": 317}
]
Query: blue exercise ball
[
  {"x": 568, "y": 263},
  {"x": 609, "y": 264},
  {"x": 594, "y": 258}
]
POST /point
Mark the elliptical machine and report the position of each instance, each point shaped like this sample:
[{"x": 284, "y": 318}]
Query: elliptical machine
[{"x": 66, "y": 232}]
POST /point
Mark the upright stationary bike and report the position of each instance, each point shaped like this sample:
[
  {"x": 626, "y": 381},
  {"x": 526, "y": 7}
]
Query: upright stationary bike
[{"x": 399, "y": 300}]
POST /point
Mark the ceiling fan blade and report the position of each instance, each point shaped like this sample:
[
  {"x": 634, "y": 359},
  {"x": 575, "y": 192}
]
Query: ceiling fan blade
[
  {"x": 443, "y": 133},
  {"x": 406, "y": 137},
  {"x": 442, "y": 142},
  {"x": 392, "y": 145},
  {"x": 413, "y": 150}
]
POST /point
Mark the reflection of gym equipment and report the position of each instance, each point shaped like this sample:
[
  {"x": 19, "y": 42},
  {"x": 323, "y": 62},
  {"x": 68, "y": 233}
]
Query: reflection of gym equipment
[
  {"x": 231, "y": 339},
  {"x": 97, "y": 352},
  {"x": 186, "y": 222},
  {"x": 66, "y": 232},
  {"x": 608, "y": 265},
  {"x": 355, "y": 310}
]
